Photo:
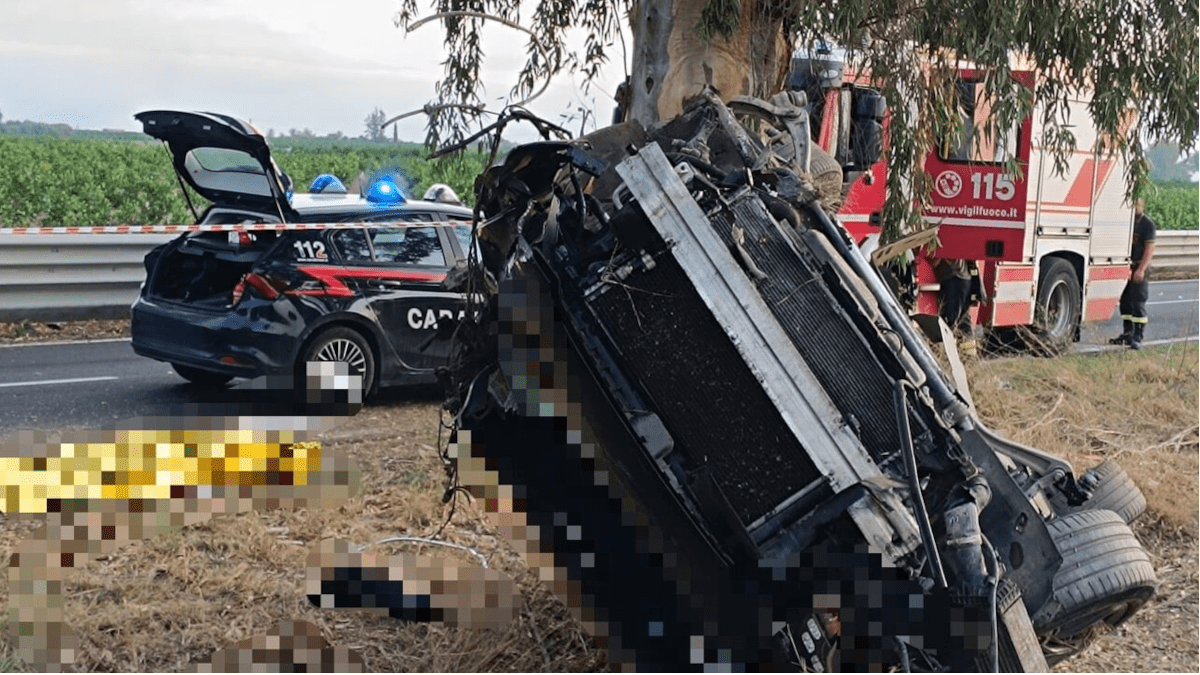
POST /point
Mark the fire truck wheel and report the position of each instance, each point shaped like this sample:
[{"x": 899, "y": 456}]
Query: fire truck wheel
[
  {"x": 1105, "y": 576},
  {"x": 1115, "y": 491},
  {"x": 1056, "y": 317}
]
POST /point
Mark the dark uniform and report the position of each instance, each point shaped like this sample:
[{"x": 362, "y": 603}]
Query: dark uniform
[
  {"x": 959, "y": 282},
  {"x": 954, "y": 276},
  {"x": 1133, "y": 298}
]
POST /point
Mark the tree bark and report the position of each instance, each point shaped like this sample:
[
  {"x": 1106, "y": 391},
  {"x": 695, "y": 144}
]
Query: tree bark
[{"x": 673, "y": 62}]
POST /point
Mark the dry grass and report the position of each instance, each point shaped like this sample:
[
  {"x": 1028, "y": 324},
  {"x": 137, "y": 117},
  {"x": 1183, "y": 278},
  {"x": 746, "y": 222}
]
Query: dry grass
[
  {"x": 1139, "y": 408},
  {"x": 161, "y": 604},
  {"x": 21, "y": 332}
]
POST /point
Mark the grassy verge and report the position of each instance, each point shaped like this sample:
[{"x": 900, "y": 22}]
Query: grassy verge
[
  {"x": 1139, "y": 408},
  {"x": 163, "y": 603}
]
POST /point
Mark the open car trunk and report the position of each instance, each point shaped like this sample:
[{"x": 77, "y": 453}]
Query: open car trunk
[{"x": 203, "y": 268}]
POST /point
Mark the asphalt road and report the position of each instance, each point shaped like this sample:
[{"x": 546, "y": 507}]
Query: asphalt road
[
  {"x": 1172, "y": 309},
  {"x": 88, "y": 385},
  {"x": 54, "y": 386}
]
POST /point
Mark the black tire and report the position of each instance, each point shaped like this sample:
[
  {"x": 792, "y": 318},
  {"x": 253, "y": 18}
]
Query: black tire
[
  {"x": 204, "y": 378},
  {"x": 345, "y": 345},
  {"x": 1059, "y": 307},
  {"x": 1115, "y": 491},
  {"x": 1105, "y": 577},
  {"x": 826, "y": 177}
]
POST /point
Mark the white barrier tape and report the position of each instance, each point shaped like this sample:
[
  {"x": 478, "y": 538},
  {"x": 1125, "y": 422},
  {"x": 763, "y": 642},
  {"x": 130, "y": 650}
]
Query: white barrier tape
[{"x": 229, "y": 227}]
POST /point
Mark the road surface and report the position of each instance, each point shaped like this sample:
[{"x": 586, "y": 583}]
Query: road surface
[
  {"x": 1172, "y": 309},
  {"x": 87, "y": 385}
]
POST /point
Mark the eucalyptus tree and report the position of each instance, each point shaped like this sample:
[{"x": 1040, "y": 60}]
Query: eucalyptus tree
[{"x": 1128, "y": 57}]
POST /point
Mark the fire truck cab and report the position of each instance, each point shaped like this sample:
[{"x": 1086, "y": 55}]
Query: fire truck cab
[{"x": 1051, "y": 250}]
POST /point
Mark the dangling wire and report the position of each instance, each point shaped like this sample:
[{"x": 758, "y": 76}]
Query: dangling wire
[{"x": 452, "y": 488}]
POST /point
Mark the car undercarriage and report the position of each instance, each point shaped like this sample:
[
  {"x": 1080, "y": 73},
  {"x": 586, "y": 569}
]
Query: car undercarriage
[{"x": 687, "y": 398}]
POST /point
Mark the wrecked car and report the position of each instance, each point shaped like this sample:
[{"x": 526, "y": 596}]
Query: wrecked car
[
  {"x": 223, "y": 302},
  {"x": 693, "y": 405}
]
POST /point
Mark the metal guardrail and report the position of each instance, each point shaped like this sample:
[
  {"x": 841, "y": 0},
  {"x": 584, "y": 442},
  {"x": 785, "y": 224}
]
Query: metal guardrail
[
  {"x": 1178, "y": 249},
  {"x": 60, "y": 277}
]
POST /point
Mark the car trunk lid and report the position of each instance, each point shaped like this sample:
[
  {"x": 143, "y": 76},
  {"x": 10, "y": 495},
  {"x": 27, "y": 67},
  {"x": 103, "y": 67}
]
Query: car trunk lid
[{"x": 226, "y": 160}]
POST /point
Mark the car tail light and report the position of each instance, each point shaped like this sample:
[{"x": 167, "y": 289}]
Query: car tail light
[
  {"x": 242, "y": 238},
  {"x": 267, "y": 286}
]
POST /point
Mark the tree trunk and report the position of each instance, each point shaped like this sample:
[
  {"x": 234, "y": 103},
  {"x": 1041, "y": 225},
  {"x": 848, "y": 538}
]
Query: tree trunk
[{"x": 674, "y": 62}]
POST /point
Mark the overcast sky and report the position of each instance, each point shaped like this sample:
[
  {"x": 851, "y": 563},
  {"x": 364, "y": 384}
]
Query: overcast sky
[{"x": 279, "y": 63}]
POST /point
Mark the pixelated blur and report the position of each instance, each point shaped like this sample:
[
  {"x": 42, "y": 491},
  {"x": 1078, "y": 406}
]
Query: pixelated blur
[
  {"x": 100, "y": 489},
  {"x": 290, "y": 647},
  {"x": 152, "y": 464},
  {"x": 410, "y": 587}
]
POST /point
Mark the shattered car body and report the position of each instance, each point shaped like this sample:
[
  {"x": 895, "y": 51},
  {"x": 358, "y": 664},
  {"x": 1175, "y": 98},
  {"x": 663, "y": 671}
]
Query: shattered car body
[{"x": 696, "y": 408}]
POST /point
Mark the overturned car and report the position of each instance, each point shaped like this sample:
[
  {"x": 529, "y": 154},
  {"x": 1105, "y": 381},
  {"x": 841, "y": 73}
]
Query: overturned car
[{"x": 698, "y": 410}]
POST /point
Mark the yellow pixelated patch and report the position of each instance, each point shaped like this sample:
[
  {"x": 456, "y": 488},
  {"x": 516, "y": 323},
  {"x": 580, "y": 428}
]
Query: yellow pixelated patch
[{"x": 146, "y": 464}]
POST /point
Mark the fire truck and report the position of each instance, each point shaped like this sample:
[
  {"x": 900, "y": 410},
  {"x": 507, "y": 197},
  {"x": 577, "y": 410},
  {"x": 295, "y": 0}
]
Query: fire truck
[{"x": 1050, "y": 250}]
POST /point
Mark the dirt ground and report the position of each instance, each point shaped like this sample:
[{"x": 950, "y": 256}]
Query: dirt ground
[
  {"x": 50, "y": 331},
  {"x": 167, "y": 602}
]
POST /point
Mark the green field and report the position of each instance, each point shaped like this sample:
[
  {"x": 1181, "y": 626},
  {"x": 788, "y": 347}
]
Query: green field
[
  {"x": 1174, "y": 205},
  {"x": 115, "y": 179},
  {"x": 49, "y": 182}
]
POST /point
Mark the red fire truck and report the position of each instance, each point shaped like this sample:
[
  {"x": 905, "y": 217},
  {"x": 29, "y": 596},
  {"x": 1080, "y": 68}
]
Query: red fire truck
[{"x": 1051, "y": 250}]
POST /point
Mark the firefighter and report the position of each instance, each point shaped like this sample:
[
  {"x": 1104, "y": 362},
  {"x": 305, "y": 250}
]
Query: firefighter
[
  {"x": 1137, "y": 289},
  {"x": 958, "y": 292}
]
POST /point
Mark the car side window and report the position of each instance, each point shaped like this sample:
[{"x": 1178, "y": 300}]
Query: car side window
[
  {"x": 463, "y": 232},
  {"x": 408, "y": 246},
  {"x": 351, "y": 244}
]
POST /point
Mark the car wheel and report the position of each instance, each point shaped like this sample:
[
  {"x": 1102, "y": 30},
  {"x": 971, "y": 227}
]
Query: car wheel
[
  {"x": 1105, "y": 577},
  {"x": 1058, "y": 310},
  {"x": 1115, "y": 491},
  {"x": 345, "y": 345},
  {"x": 204, "y": 378}
]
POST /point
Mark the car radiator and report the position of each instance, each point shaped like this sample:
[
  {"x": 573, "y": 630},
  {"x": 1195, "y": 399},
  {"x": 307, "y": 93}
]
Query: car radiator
[
  {"x": 803, "y": 303},
  {"x": 709, "y": 400}
]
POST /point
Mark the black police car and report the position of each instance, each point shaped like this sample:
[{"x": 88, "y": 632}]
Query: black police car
[{"x": 223, "y": 304}]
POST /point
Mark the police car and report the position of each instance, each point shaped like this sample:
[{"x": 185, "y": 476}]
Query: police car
[{"x": 245, "y": 296}]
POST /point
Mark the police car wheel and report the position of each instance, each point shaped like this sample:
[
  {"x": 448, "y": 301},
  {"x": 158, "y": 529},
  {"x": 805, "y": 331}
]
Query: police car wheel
[{"x": 345, "y": 345}]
